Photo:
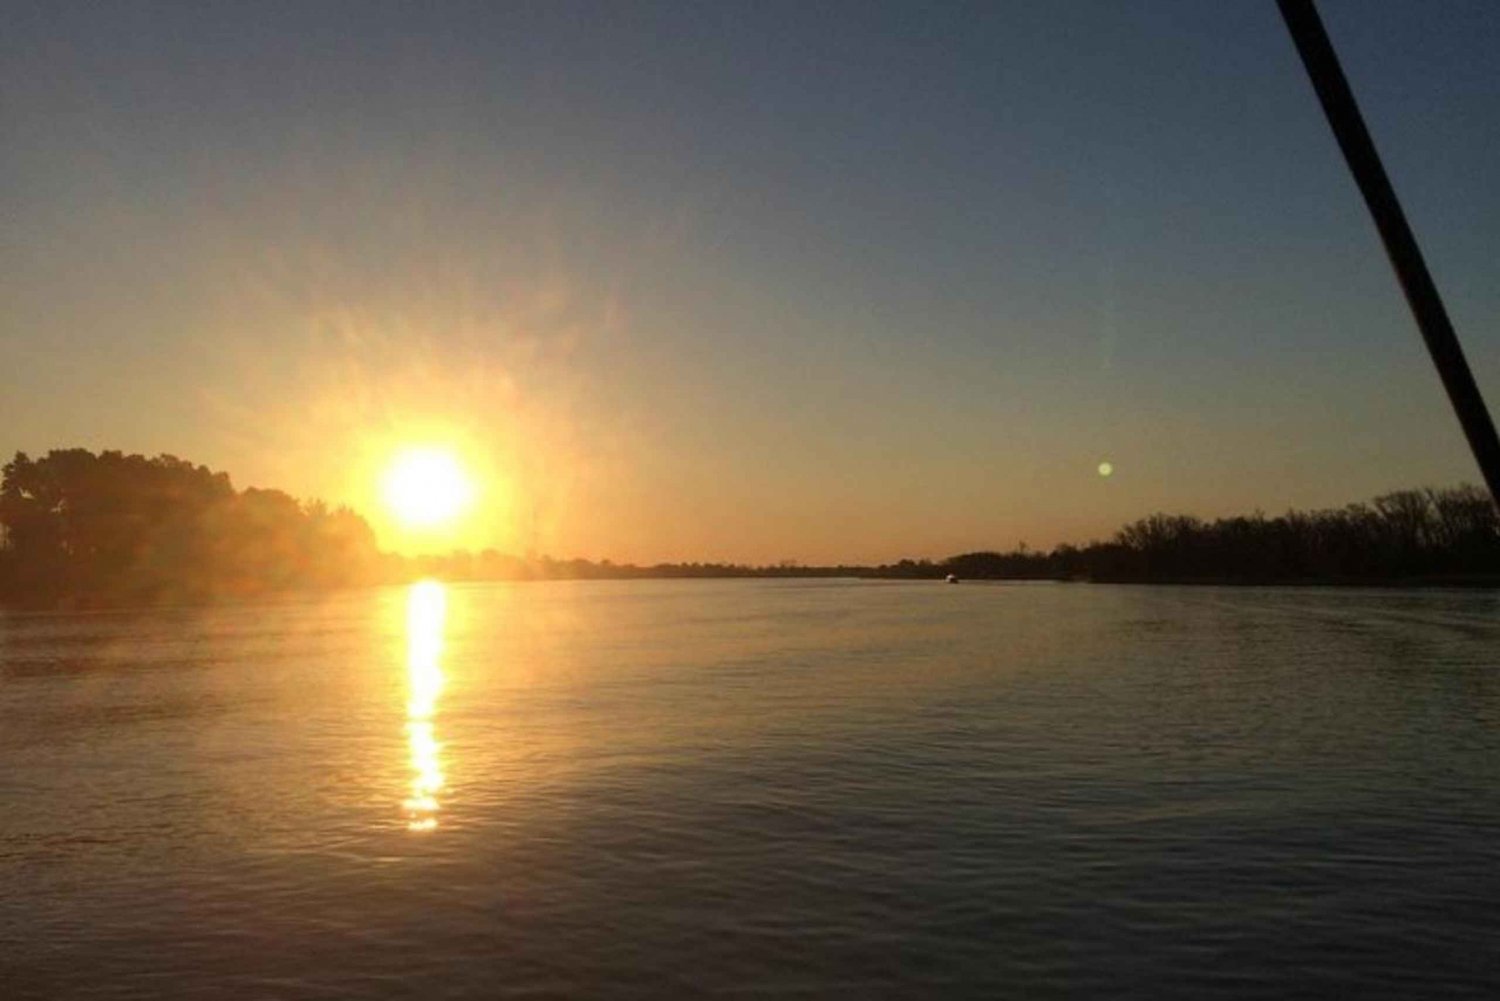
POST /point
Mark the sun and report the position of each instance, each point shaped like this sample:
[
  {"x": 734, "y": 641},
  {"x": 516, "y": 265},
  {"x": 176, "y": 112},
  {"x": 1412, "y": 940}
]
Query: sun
[{"x": 426, "y": 487}]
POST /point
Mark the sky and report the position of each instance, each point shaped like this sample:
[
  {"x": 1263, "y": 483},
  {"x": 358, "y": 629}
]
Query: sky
[{"x": 745, "y": 281}]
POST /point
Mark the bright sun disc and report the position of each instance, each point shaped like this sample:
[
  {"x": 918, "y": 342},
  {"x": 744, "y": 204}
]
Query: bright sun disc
[{"x": 424, "y": 487}]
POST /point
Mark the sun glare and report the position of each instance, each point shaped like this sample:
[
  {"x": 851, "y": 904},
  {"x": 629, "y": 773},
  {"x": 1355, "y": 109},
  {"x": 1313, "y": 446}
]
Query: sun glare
[
  {"x": 426, "y": 610},
  {"x": 426, "y": 487}
]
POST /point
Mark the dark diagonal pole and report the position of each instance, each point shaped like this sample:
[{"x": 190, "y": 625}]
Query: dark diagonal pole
[{"x": 1400, "y": 245}]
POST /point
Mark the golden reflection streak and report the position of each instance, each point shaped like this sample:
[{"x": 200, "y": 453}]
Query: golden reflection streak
[{"x": 426, "y": 611}]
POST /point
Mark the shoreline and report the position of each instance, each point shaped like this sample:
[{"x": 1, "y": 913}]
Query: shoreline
[{"x": 1468, "y": 582}]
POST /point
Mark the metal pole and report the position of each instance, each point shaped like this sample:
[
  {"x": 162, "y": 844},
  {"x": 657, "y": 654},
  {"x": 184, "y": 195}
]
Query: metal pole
[{"x": 1328, "y": 80}]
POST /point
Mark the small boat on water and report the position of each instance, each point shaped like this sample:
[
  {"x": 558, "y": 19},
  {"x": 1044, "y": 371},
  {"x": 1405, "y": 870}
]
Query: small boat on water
[{"x": 951, "y": 579}]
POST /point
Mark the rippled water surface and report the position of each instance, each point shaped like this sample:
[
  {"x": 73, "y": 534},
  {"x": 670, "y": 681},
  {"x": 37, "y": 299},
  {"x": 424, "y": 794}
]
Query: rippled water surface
[{"x": 777, "y": 788}]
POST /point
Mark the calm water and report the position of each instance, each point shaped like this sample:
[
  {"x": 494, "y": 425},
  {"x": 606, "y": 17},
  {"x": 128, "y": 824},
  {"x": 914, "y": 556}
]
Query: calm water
[{"x": 786, "y": 789}]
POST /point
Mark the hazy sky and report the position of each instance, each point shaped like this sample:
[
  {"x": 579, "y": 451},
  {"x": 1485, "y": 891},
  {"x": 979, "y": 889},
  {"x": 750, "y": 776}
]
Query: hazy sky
[{"x": 745, "y": 281}]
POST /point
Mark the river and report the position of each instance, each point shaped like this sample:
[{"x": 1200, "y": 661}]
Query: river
[{"x": 787, "y": 788}]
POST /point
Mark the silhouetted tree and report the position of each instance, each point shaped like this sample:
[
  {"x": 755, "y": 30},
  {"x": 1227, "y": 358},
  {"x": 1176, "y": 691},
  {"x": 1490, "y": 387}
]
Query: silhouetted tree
[{"x": 111, "y": 529}]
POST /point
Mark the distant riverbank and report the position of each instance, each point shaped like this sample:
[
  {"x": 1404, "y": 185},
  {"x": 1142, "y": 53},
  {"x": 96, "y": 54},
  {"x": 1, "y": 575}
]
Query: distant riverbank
[{"x": 107, "y": 530}]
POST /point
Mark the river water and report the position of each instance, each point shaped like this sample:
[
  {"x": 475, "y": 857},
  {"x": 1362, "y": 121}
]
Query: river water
[{"x": 756, "y": 788}]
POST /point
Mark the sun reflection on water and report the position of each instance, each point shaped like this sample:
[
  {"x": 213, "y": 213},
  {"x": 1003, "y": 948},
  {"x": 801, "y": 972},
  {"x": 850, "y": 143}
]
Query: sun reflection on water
[{"x": 426, "y": 611}]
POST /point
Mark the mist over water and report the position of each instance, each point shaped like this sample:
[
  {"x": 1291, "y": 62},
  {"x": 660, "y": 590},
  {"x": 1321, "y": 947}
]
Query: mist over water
[{"x": 779, "y": 788}]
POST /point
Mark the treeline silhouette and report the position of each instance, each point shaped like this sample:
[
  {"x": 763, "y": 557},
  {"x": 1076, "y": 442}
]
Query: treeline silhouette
[
  {"x": 492, "y": 565},
  {"x": 87, "y": 530},
  {"x": 1409, "y": 536},
  {"x": 84, "y": 530}
]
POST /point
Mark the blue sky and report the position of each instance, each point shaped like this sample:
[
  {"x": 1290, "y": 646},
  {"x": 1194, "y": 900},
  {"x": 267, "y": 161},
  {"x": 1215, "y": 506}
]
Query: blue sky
[{"x": 745, "y": 281}]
